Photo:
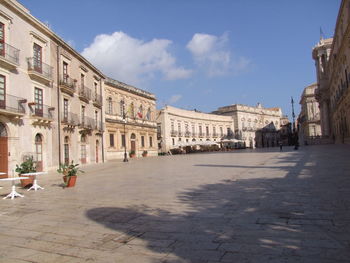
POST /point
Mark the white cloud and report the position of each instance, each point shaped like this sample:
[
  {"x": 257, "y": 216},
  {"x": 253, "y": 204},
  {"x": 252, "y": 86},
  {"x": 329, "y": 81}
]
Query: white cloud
[
  {"x": 132, "y": 60},
  {"x": 212, "y": 54},
  {"x": 174, "y": 98}
]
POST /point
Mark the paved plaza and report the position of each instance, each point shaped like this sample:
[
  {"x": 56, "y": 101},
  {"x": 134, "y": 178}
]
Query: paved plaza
[{"x": 242, "y": 206}]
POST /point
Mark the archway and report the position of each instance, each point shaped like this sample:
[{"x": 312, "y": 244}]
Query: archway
[
  {"x": 3, "y": 151},
  {"x": 97, "y": 146},
  {"x": 39, "y": 152},
  {"x": 133, "y": 142},
  {"x": 66, "y": 150}
]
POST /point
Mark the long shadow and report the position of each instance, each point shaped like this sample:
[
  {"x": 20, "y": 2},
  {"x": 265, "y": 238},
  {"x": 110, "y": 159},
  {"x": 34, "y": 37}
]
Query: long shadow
[{"x": 288, "y": 219}]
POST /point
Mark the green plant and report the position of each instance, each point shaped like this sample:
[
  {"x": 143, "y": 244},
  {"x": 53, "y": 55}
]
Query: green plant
[
  {"x": 144, "y": 152},
  {"x": 132, "y": 152},
  {"x": 69, "y": 169},
  {"x": 28, "y": 166}
]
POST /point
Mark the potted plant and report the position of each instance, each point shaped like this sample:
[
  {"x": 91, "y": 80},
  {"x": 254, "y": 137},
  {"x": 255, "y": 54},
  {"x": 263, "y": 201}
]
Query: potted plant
[
  {"x": 70, "y": 172},
  {"x": 132, "y": 154},
  {"x": 144, "y": 153},
  {"x": 28, "y": 166}
]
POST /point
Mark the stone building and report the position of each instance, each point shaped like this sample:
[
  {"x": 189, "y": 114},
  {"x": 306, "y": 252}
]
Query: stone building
[
  {"x": 332, "y": 58},
  {"x": 130, "y": 120},
  {"x": 78, "y": 87},
  {"x": 178, "y": 127},
  {"x": 257, "y": 126},
  {"x": 309, "y": 117},
  {"x": 27, "y": 108}
]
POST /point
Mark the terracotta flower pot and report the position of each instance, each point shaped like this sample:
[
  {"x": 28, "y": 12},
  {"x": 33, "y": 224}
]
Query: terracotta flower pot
[
  {"x": 132, "y": 155},
  {"x": 71, "y": 180},
  {"x": 27, "y": 182}
]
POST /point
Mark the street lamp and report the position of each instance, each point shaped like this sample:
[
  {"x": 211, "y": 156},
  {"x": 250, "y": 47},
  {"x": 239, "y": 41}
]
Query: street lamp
[{"x": 124, "y": 120}]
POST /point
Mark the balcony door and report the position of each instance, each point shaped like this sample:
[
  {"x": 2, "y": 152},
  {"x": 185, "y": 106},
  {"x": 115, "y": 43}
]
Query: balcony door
[
  {"x": 2, "y": 39},
  {"x": 2, "y": 92},
  {"x": 37, "y": 58},
  {"x": 3, "y": 151},
  {"x": 66, "y": 150},
  {"x": 38, "y": 98}
]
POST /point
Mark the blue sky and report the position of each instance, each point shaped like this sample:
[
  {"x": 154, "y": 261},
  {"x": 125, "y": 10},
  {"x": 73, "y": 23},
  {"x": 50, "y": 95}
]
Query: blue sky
[{"x": 198, "y": 53}]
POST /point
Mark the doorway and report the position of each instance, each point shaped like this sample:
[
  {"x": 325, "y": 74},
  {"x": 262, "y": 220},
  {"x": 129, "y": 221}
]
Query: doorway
[
  {"x": 97, "y": 146},
  {"x": 39, "y": 152},
  {"x": 66, "y": 150},
  {"x": 3, "y": 151},
  {"x": 133, "y": 142}
]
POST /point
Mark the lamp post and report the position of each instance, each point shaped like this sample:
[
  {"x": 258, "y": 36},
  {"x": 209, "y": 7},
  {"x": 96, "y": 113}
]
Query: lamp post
[{"x": 124, "y": 120}]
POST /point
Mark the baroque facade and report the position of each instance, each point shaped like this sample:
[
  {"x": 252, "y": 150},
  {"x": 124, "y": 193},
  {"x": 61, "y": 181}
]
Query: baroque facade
[
  {"x": 130, "y": 120},
  {"x": 309, "y": 117},
  {"x": 27, "y": 107},
  {"x": 332, "y": 57},
  {"x": 178, "y": 127},
  {"x": 257, "y": 126}
]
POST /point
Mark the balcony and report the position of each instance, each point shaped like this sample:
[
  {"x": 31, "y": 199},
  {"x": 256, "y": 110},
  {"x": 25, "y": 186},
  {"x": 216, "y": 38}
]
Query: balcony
[
  {"x": 43, "y": 113},
  {"x": 201, "y": 135},
  {"x": 84, "y": 93},
  {"x": 39, "y": 71},
  {"x": 187, "y": 134},
  {"x": 70, "y": 119},
  {"x": 97, "y": 100},
  {"x": 173, "y": 133},
  {"x": 67, "y": 84},
  {"x": 12, "y": 106},
  {"x": 9, "y": 56}
]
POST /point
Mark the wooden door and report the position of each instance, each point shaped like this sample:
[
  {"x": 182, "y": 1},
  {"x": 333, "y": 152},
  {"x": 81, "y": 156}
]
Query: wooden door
[
  {"x": 97, "y": 146},
  {"x": 133, "y": 146}
]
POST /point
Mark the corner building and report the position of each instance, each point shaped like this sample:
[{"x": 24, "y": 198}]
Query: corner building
[
  {"x": 130, "y": 120},
  {"x": 27, "y": 109}
]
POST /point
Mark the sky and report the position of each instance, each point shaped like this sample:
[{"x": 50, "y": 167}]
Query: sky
[{"x": 198, "y": 54}]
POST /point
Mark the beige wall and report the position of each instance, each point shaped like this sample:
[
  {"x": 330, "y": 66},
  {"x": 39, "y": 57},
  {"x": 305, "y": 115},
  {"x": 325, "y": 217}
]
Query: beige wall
[{"x": 172, "y": 122}]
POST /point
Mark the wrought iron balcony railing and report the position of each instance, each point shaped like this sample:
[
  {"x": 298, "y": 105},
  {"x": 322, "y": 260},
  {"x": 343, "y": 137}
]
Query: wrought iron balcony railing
[
  {"x": 84, "y": 93},
  {"x": 9, "y": 53},
  {"x": 40, "y": 68},
  {"x": 68, "y": 83},
  {"x": 42, "y": 110},
  {"x": 173, "y": 133},
  {"x": 12, "y": 104},
  {"x": 70, "y": 118},
  {"x": 97, "y": 99}
]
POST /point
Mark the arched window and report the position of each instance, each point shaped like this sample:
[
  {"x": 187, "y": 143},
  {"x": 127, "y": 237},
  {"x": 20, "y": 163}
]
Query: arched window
[
  {"x": 140, "y": 112},
  {"x": 39, "y": 151},
  {"x": 131, "y": 110}
]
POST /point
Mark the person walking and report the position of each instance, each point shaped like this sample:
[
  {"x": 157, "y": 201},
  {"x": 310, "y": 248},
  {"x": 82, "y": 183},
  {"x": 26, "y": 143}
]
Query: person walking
[{"x": 281, "y": 145}]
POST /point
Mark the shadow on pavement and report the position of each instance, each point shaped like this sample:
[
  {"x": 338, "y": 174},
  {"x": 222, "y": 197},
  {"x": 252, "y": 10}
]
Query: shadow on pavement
[{"x": 297, "y": 218}]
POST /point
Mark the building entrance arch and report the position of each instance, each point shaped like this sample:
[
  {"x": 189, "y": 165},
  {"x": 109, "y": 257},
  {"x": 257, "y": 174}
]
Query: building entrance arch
[{"x": 3, "y": 150}]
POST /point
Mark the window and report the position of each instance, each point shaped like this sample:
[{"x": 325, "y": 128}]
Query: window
[
  {"x": 214, "y": 131},
  {"x": 123, "y": 140},
  {"x": 38, "y": 99},
  {"x": 179, "y": 127},
  {"x": 172, "y": 126},
  {"x": 65, "y": 72},
  {"x": 65, "y": 110},
  {"x": 221, "y": 131},
  {"x": 148, "y": 115},
  {"x": 142, "y": 141},
  {"x": 200, "y": 130},
  {"x": 150, "y": 142},
  {"x": 173, "y": 141},
  {"x": 82, "y": 80},
  {"x": 207, "y": 130},
  {"x": 96, "y": 88},
  {"x": 121, "y": 108},
  {"x": 110, "y": 105},
  {"x": 131, "y": 110},
  {"x": 2, "y": 39},
  {"x": 111, "y": 140},
  {"x": 37, "y": 57},
  {"x": 83, "y": 114},
  {"x": 193, "y": 130},
  {"x": 2, "y": 92},
  {"x": 96, "y": 118},
  {"x": 140, "y": 112}
]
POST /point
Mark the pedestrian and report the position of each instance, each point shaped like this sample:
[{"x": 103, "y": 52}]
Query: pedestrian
[{"x": 281, "y": 145}]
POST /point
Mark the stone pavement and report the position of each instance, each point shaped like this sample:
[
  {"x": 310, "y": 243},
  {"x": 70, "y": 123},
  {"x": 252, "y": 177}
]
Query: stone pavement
[{"x": 242, "y": 206}]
